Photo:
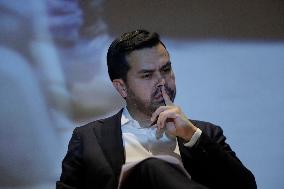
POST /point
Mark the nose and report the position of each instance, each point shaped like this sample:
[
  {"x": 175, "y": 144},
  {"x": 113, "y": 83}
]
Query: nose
[{"x": 161, "y": 81}]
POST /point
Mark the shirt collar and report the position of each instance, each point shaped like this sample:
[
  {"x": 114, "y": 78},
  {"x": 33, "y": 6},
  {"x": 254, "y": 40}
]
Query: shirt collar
[{"x": 125, "y": 117}]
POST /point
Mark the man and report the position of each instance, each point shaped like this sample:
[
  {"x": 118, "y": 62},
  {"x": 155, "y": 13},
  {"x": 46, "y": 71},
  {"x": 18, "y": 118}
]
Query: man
[{"x": 151, "y": 124}]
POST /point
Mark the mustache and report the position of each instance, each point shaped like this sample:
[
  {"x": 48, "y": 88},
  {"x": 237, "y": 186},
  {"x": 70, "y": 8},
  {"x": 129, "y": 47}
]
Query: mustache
[{"x": 169, "y": 91}]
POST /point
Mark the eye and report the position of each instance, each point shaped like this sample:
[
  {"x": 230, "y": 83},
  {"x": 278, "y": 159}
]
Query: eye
[
  {"x": 167, "y": 69},
  {"x": 146, "y": 76}
]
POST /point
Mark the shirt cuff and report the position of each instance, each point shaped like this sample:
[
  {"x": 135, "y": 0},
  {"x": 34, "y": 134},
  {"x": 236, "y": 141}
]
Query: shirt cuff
[{"x": 194, "y": 138}]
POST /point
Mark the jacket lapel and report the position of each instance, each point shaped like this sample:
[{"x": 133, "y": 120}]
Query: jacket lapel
[{"x": 109, "y": 136}]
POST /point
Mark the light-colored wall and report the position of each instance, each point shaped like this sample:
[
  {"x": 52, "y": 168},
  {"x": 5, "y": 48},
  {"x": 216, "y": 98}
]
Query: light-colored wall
[{"x": 239, "y": 86}]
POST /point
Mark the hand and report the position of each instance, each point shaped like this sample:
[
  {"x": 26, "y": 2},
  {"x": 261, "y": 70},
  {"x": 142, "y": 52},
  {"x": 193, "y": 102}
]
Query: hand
[{"x": 173, "y": 119}]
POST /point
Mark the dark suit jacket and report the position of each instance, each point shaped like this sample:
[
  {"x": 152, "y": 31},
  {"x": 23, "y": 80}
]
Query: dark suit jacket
[{"x": 96, "y": 154}]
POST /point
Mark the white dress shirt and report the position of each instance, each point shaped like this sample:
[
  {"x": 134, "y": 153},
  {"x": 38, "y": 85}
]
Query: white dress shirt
[{"x": 141, "y": 143}]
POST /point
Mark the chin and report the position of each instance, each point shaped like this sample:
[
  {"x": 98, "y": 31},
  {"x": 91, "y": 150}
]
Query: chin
[{"x": 156, "y": 104}]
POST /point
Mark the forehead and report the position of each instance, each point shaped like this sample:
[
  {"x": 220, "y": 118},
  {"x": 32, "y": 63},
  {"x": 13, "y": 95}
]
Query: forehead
[{"x": 148, "y": 58}]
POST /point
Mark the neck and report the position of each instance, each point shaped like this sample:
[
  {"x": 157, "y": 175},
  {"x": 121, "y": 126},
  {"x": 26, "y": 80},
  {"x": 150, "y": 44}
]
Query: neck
[{"x": 142, "y": 118}]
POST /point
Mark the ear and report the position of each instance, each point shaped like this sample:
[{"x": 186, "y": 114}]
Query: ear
[{"x": 120, "y": 86}]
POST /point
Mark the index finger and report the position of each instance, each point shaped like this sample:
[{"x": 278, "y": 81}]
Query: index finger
[{"x": 166, "y": 97}]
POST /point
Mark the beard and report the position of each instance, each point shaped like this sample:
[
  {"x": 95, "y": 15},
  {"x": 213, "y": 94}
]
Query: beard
[{"x": 149, "y": 107}]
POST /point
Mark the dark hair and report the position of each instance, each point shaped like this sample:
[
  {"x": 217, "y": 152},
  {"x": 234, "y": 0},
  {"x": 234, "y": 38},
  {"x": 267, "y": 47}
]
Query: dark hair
[{"x": 122, "y": 46}]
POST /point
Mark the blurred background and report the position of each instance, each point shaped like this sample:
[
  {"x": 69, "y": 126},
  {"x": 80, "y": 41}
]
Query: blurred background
[{"x": 228, "y": 57}]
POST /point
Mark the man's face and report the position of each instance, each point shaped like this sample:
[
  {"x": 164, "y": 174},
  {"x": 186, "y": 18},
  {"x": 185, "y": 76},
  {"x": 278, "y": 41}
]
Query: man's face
[{"x": 150, "y": 68}]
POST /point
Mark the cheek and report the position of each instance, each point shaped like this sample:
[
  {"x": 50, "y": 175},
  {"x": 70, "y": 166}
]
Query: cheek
[
  {"x": 146, "y": 91},
  {"x": 172, "y": 76},
  {"x": 171, "y": 79},
  {"x": 142, "y": 90}
]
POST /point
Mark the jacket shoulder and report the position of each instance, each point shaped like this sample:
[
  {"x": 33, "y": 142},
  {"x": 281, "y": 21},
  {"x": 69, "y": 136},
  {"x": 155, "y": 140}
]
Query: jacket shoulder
[{"x": 97, "y": 124}]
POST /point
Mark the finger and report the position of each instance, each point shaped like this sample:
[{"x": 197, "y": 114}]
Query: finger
[
  {"x": 171, "y": 129},
  {"x": 157, "y": 112},
  {"x": 164, "y": 116},
  {"x": 166, "y": 96}
]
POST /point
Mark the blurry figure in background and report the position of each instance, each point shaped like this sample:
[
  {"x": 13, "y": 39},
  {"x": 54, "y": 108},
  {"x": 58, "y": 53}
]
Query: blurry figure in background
[
  {"x": 32, "y": 86},
  {"x": 40, "y": 93},
  {"x": 80, "y": 36}
]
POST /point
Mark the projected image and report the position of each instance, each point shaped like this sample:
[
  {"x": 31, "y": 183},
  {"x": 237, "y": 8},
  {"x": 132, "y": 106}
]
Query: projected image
[{"x": 52, "y": 78}]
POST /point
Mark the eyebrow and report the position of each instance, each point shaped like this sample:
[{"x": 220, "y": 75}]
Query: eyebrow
[{"x": 168, "y": 64}]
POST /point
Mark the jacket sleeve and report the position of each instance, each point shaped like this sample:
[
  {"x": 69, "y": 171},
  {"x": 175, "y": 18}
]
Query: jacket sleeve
[
  {"x": 213, "y": 163},
  {"x": 72, "y": 165}
]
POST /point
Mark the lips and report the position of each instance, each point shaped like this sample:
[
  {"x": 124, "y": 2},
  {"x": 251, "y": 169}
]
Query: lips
[{"x": 158, "y": 96}]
